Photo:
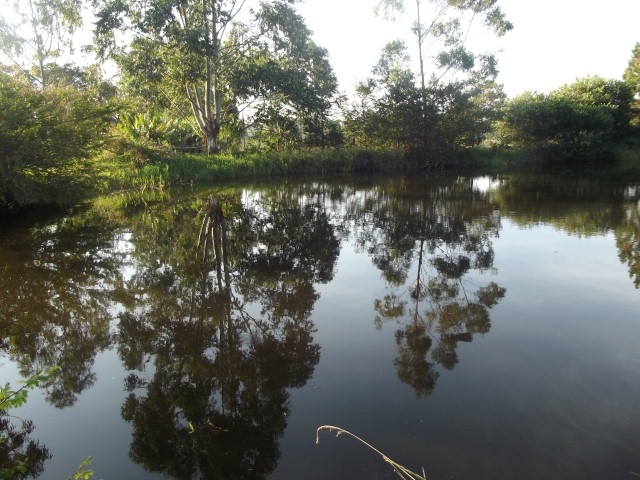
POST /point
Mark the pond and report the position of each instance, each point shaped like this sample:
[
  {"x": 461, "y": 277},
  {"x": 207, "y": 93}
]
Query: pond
[{"x": 476, "y": 327}]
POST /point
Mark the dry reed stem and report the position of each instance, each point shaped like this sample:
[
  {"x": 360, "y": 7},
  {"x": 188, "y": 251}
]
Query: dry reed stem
[{"x": 402, "y": 472}]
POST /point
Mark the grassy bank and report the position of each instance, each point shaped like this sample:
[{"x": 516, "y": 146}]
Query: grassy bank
[
  {"x": 127, "y": 165},
  {"x": 137, "y": 165},
  {"x": 146, "y": 168}
]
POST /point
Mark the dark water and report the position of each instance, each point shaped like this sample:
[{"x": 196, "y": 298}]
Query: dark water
[{"x": 479, "y": 328}]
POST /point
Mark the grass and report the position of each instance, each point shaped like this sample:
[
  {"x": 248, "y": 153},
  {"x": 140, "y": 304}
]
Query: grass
[
  {"x": 144, "y": 166},
  {"x": 128, "y": 164},
  {"x": 125, "y": 165},
  {"x": 137, "y": 165},
  {"x": 180, "y": 168},
  {"x": 401, "y": 471}
]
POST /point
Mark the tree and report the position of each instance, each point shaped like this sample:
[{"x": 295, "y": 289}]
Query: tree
[
  {"x": 198, "y": 55},
  {"x": 53, "y": 312},
  {"x": 175, "y": 38},
  {"x": 596, "y": 92},
  {"x": 632, "y": 78},
  {"x": 632, "y": 72},
  {"x": 284, "y": 78},
  {"x": 42, "y": 33},
  {"x": 448, "y": 25},
  {"x": 391, "y": 109},
  {"x": 45, "y": 139},
  {"x": 428, "y": 253},
  {"x": 20, "y": 456},
  {"x": 577, "y": 121},
  {"x": 229, "y": 334},
  {"x": 389, "y": 105}
]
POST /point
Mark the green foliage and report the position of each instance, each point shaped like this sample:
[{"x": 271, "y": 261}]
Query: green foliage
[
  {"x": 451, "y": 99},
  {"x": 392, "y": 112},
  {"x": 46, "y": 139},
  {"x": 632, "y": 78},
  {"x": 632, "y": 72},
  {"x": 263, "y": 79},
  {"x": 10, "y": 398},
  {"x": 156, "y": 127},
  {"x": 21, "y": 457},
  {"x": 580, "y": 121},
  {"x": 149, "y": 167},
  {"x": 610, "y": 98},
  {"x": 42, "y": 33},
  {"x": 82, "y": 472},
  {"x": 388, "y": 112}
]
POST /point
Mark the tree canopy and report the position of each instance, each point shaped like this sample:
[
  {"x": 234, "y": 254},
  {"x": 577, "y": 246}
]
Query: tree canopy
[
  {"x": 42, "y": 33},
  {"x": 233, "y": 66},
  {"x": 580, "y": 120}
]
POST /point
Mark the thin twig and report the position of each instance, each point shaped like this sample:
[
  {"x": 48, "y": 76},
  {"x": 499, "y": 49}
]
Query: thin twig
[{"x": 402, "y": 472}]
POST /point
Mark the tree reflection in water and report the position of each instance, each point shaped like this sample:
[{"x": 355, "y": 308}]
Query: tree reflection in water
[
  {"x": 214, "y": 345},
  {"x": 56, "y": 288},
  {"x": 628, "y": 235},
  {"x": 445, "y": 236},
  {"x": 20, "y": 455},
  {"x": 211, "y": 346}
]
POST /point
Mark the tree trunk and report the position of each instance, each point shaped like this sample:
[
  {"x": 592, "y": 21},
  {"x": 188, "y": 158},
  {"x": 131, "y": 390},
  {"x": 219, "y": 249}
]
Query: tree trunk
[
  {"x": 423, "y": 88},
  {"x": 212, "y": 133}
]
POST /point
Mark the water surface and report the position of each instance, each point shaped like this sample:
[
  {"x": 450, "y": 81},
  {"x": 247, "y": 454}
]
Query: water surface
[{"x": 476, "y": 327}]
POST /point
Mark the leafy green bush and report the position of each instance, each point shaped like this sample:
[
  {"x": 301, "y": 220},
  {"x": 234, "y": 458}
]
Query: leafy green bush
[
  {"x": 46, "y": 141},
  {"x": 20, "y": 456},
  {"x": 583, "y": 120},
  {"x": 156, "y": 127}
]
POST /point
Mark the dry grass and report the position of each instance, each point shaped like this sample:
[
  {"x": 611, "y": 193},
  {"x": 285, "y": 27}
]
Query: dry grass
[{"x": 401, "y": 471}]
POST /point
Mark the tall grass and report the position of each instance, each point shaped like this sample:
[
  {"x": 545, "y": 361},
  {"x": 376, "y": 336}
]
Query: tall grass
[{"x": 138, "y": 166}]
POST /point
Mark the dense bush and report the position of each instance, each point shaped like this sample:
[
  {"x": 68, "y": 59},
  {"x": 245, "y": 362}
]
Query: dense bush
[
  {"x": 583, "y": 120},
  {"x": 46, "y": 140}
]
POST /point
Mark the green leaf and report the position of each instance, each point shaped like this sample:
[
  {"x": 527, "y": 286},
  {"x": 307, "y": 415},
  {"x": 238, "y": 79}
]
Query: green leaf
[{"x": 82, "y": 473}]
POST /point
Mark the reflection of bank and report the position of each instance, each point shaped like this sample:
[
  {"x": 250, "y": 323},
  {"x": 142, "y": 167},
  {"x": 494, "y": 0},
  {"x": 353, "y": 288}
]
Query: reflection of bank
[{"x": 215, "y": 402}]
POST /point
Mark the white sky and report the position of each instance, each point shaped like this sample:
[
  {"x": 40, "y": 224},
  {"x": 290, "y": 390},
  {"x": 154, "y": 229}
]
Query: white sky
[{"x": 553, "y": 41}]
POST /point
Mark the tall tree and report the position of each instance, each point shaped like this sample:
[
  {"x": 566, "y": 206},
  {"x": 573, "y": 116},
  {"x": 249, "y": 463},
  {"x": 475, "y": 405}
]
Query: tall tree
[
  {"x": 448, "y": 25},
  {"x": 450, "y": 22},
  {"x": 398, "y": 101},
  {"x": 393, "y": 109},
  {"x": 42, "y": 32},
  {"x": 632, "y": 72},
  {"x": 283, "y": 77},
  {"x": 179, "y": 38},
  {"x": 632, "y": 78},
  {"x": 215, "y": 56}
]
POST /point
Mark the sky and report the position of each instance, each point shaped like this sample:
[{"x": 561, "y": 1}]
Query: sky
[{"x": 553, "y": 42}]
